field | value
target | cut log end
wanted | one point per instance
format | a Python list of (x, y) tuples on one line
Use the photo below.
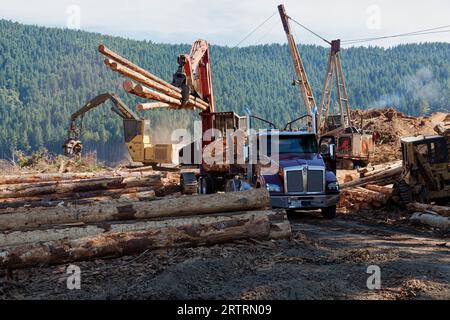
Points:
[(128, 85)]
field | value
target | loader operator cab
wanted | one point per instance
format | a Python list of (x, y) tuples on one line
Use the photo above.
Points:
[(432, 149)]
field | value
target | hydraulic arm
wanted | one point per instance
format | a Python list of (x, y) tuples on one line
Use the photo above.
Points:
[(73, 145)]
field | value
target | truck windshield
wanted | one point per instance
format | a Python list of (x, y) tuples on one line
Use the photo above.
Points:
[(292, 144)]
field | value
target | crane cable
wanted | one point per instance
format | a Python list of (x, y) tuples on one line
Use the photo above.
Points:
[(350, 41), (362, 40), (256, 29), (408, 34), (306, 28)]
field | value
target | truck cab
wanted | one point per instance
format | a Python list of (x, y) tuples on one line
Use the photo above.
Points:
[(305, 178)]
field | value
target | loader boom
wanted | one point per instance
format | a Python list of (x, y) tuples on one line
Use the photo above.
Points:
[(120, 108), (73, 145)]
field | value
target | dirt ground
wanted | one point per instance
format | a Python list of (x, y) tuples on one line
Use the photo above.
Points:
[(324, 260)]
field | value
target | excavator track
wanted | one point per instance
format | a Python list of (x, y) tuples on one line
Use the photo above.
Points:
[(404, 192)]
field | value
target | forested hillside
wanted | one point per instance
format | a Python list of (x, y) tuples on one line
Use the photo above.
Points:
[(46, 74)]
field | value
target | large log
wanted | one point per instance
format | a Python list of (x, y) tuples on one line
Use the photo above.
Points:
[(385, 176), (280, 228), (430, 219), (34, 189), (118, 58), (41, 177), (48, 177), (124, 198), (385, 190), (131, 87), (422, 207), (173, 207), (42, 200), (126, 239), (144, 92), (154, 105), (381, 168)]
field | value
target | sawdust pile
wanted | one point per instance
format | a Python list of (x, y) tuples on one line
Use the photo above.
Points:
[(390, 125)]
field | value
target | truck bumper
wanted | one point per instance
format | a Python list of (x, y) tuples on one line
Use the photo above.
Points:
[(304, 202)]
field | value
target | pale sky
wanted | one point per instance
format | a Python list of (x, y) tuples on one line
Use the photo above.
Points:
[(226, 22)]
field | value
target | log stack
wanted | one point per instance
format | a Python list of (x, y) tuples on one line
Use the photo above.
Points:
[(47, 219), (370, 197)]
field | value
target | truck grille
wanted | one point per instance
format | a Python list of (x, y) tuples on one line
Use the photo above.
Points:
[(294, 181), (299, 181), (315, 181)]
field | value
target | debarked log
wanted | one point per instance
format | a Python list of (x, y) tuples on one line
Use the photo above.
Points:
[(423, 207), (155, 105), (173, 207), (126, 239), (384, 176), (430, 219)]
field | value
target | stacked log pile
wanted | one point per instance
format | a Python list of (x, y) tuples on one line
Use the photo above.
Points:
[(368, 198), (368, 188), (46, 219)]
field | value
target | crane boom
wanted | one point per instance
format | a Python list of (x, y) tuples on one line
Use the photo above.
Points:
[(305, 87)]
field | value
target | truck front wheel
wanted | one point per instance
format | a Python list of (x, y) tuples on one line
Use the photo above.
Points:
[(329, 212)]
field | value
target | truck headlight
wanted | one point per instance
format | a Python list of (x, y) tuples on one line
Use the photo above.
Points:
[(273, 187), (333, 186)]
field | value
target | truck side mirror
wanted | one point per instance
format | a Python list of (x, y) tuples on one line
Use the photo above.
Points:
[(332, 151)]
